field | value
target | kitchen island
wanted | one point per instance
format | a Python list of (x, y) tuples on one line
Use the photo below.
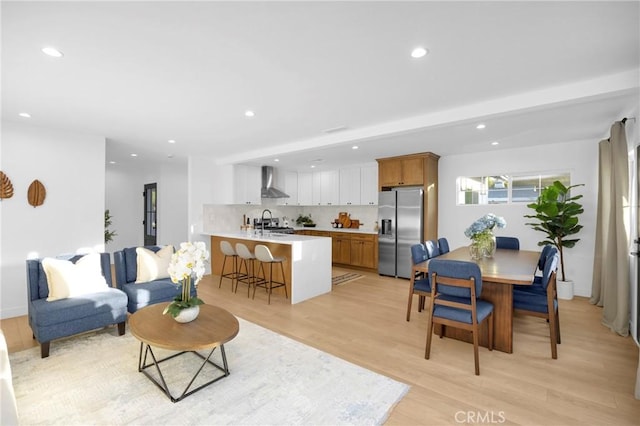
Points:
[(307, 266)]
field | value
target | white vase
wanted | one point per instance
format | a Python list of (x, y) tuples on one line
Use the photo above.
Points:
[(564, 289), (188, 315)]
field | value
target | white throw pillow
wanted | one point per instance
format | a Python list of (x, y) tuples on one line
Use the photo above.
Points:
[(66, 279), (153, 266)]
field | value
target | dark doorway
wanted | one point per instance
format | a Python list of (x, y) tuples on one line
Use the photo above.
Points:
[(150, 214)]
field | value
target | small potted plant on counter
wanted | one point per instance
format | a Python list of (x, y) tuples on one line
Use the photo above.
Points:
[(305, 221)]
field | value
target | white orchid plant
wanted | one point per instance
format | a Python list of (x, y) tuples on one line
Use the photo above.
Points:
[(187, 267)]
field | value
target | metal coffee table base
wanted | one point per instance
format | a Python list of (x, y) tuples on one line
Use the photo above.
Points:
[(162, 384)]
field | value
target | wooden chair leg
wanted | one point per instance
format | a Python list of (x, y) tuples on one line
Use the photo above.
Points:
[(553, 337), (490, 319), (121, 328), (427, 349), (410, 301), (475, 349), (558, 325)]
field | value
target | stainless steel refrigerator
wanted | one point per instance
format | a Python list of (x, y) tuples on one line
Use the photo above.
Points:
[(400, 222)]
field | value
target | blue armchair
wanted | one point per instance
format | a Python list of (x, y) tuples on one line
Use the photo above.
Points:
[(144, 293), (50, 320)]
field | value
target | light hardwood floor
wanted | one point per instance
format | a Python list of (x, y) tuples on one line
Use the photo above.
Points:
[(363, 321)]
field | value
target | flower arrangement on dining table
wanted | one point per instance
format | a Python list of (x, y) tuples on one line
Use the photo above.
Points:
[(483, 242), (187, 267)]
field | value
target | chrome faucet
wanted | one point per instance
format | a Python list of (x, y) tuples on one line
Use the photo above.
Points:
[(262, 220)]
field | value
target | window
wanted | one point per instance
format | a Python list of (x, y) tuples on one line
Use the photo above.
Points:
[(503, 189)]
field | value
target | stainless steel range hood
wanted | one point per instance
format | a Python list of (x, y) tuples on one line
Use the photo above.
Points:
[(268, 191)]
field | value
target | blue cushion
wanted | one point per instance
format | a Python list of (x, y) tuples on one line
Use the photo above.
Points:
[(483, 309), (530, 301), (419, 253), (456, 269), (422, 285), (144, 294), (432, 248), (535, 287), (65, 310)]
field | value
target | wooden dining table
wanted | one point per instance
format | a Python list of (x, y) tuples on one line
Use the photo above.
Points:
[(499, 274)]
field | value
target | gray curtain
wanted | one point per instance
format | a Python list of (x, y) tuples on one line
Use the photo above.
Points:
[(611, 282)]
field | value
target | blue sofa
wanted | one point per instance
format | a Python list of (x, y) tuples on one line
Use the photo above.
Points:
[(66, 317), (142, 294)]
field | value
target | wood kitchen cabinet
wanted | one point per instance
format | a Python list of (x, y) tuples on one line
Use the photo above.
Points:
[(401, 171), (340, 249), (363, 251), (418, 170)]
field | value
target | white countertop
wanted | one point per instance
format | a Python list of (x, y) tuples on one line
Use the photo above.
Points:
[(267, 237)]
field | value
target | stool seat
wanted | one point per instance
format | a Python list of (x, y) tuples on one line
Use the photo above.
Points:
[(263, 255)]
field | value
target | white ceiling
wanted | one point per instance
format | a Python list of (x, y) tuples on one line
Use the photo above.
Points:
[(141, 73)]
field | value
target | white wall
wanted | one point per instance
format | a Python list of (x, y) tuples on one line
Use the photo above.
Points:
[(71, 167), (124, 199), (579, 158)]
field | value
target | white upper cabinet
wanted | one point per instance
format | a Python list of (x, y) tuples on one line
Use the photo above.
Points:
[(305, 189), (326, 188), (289, 184), (247, 183), (350, 181), (369, 185)]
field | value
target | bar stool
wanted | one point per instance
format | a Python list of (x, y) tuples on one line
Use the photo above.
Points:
[(263, 254), (248, 260), (228, 251)]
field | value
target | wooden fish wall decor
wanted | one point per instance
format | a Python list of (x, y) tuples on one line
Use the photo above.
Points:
[(6, 187), (36, 193)]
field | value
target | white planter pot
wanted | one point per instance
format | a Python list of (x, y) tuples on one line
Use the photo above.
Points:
[(188, 315), (565, 289)]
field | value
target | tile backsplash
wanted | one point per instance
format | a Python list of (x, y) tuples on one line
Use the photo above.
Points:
[(228, 218)]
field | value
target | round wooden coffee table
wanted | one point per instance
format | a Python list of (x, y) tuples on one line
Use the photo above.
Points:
[(212, 329)]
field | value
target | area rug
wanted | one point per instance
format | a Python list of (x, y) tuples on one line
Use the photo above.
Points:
[(274, 380), (345, 278)]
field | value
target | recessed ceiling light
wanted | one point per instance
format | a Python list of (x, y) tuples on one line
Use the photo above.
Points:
[(313, 166), (172, 141), (134, 155), (419, 52), (276, 159), (354, 147), (481, 126), (52, 51), (112, 162), (25, 115), (249, 113), (494, 143)]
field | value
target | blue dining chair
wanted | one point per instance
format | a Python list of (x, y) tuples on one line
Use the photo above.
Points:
[(510, 243), (419, 283), (455, 290), (443, 245), (536, 283), (543, 305), (432, 248)]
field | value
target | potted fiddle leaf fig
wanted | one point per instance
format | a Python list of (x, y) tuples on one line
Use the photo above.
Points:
[(556, 212)]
